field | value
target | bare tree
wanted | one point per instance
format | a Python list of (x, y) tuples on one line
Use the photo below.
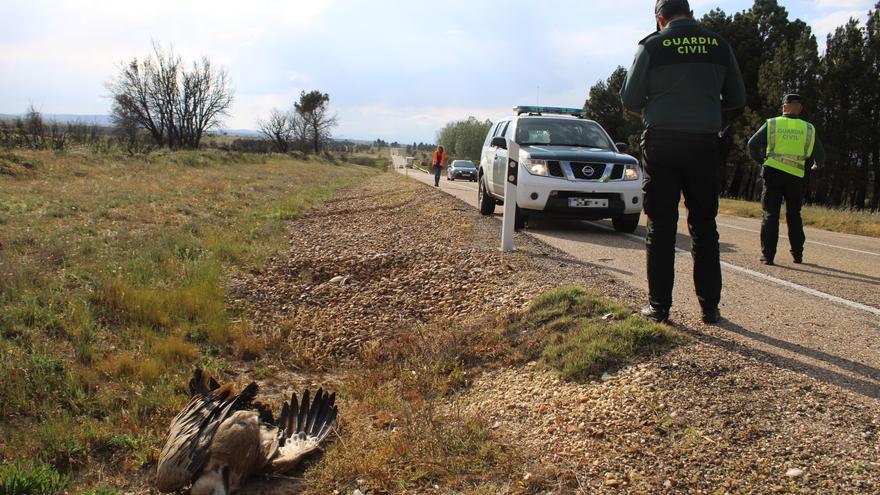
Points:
[(205, 98), (278, 128), (317, 121), (126, 127), (6, 134), (176, 106), (32, 128)]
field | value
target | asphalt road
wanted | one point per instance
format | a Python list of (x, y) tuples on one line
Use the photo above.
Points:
[(821, 318)]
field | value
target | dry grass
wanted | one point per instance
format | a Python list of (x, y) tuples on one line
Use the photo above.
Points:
[(395, 439), (845, 221), (112, 277)]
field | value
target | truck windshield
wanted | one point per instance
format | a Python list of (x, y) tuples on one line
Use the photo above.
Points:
[(561, 132)]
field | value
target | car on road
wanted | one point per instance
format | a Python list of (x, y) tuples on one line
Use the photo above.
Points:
[(462, 169), (568, 168)]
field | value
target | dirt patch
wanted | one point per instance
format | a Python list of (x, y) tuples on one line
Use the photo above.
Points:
[(390, 257)]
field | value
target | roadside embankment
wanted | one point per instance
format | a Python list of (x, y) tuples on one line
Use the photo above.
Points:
[(462, 369)]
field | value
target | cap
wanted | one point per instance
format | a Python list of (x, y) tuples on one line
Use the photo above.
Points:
[(791, 98), (670, 3)]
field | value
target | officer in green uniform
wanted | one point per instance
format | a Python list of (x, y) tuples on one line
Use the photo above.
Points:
[(682, 77), (785, 146)]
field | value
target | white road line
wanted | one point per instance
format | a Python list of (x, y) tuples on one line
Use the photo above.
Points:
[(808, 241), (768, 278)]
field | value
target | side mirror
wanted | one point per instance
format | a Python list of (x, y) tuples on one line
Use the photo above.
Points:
[(622, 147), (499, 142)]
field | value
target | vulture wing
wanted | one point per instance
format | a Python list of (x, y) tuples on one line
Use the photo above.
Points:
[(304, 425), (192, 431)]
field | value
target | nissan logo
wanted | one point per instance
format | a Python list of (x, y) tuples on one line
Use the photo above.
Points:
[(588, 171)]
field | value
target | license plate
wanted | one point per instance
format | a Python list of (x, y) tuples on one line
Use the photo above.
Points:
[(587, 203)]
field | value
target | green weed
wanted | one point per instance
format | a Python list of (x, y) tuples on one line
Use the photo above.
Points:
[(31, 479)]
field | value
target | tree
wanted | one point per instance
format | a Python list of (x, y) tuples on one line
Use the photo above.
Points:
[(278, 128), (32, 128), (316, 119), (464, 138), (872, 52), (604, 106), (174, 105), (845, 120)]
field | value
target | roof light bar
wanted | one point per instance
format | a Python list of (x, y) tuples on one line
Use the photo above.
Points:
[(577, 112)]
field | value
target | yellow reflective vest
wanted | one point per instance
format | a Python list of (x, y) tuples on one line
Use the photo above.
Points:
[(789, 143)]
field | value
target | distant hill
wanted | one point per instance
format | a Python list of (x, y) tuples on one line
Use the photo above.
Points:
[(100, 120), (235, 132)]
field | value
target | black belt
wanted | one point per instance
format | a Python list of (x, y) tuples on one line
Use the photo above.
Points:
[(667, 135)]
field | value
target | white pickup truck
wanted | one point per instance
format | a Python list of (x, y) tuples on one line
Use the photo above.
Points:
[(569, 168)]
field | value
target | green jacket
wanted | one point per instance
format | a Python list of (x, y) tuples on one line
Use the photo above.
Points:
[(682, 78), (758, 146)]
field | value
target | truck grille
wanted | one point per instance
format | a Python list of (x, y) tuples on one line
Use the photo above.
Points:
[(587, 171), (555, 168), (617, 172)]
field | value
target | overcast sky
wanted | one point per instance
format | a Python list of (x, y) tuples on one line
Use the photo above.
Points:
[(396, 70)]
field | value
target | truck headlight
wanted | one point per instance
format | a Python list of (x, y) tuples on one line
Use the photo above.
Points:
[(534, 166), (631, 172), (537, 167)]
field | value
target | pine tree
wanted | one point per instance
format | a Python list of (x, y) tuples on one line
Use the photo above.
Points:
[(604, 106)]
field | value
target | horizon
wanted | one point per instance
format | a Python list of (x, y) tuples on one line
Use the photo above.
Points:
[(391, 74)]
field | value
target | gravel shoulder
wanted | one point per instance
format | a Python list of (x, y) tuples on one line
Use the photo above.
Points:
[(393, 256)]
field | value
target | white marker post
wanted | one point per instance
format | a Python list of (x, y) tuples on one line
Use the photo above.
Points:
[(511, 174)]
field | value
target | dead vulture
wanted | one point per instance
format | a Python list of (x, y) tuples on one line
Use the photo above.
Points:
[(222, 437)]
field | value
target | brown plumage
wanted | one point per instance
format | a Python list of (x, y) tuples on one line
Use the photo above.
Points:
[(222, 437)]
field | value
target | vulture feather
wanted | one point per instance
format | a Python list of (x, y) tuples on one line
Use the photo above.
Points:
[(222, 437)]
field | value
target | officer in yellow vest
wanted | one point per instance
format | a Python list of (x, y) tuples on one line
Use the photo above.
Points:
[(787, 146)]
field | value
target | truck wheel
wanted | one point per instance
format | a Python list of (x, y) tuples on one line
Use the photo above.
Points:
[(626, 223), (487, 203), (519, 219)]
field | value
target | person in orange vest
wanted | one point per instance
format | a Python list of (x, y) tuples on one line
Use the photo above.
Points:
[(437, 164)]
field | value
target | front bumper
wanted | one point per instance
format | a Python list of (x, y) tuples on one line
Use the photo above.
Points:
[(550, 195), (458, 174)]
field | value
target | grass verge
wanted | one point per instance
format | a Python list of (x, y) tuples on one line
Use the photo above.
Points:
[(395, 435), (112, 285), (31, 479), (836, 220)]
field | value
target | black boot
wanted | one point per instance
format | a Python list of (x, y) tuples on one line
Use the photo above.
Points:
[(711, 315), (655, 314), (766, 260)]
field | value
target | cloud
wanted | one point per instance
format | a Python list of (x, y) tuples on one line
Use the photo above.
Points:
[(391, 71), (406, 123), (827, 24), (843, 4), (607, 42)]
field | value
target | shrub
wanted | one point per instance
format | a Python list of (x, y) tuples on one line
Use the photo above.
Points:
[(31, 479)]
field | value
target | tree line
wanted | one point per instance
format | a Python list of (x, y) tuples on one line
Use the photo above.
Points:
[(841, 91), (33, 131)]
